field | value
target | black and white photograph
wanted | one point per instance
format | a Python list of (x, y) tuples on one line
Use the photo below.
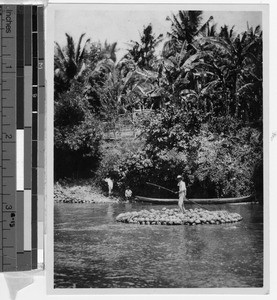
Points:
[(159, 147)]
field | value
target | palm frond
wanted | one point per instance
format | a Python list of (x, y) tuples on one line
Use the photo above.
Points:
[(247, 49), (177, 27), (70, 47), (210, 86), (78, 50), (212, 30), (60, 53), (258, 31), (246, 87), (82, 53), (205, 27), (221, 43)]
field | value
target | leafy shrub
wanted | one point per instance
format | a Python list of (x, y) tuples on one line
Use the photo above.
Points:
[(214, 163), (170, 128), (225, 164), (77, 137)]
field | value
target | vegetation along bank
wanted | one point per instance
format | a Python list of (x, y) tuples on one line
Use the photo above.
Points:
[(195, 109)]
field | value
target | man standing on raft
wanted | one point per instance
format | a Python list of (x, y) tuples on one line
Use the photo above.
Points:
[(182, 193)]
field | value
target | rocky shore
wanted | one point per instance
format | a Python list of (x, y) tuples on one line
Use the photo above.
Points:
[(80, 192)]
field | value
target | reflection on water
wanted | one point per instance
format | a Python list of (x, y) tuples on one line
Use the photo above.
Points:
[(93, 251)]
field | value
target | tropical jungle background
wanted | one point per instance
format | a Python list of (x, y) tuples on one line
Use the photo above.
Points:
[(195, 108)]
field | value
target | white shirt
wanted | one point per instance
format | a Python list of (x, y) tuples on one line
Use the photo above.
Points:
[(128, 193), (182, 186), (109, 182)]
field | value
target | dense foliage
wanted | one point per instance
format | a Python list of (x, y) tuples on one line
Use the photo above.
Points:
[(215, 162), (205, 96), (77, 135)]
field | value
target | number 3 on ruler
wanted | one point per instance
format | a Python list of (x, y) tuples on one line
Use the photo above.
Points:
[(40, 65)]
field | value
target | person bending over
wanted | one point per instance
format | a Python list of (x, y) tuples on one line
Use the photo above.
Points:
[(110, 184)]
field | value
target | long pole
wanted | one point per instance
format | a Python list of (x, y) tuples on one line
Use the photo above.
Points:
[(159, 186)]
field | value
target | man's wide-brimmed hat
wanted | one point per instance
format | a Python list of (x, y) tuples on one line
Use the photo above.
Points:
[(179, 177)]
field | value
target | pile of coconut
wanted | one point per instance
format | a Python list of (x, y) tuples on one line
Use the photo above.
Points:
[(167, 216)]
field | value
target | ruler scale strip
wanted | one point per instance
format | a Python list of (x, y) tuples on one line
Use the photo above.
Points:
[(34, 135), (28, 136), (22, 124), (1, 196), (20, 136), (41, 125), (8, 120)]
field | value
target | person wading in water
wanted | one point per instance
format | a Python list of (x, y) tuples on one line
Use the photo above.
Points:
[(182, 193)]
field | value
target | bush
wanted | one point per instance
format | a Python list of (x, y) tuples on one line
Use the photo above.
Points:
[(213, 163), (170, 128), (225, 164), (135, 169), (77, 137)]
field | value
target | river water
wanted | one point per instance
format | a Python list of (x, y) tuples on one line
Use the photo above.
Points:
[(92, 250)]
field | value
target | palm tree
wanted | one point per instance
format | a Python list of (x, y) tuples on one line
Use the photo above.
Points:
[(109, 83), (108, 51), (175, 75), (143, 52), (69, 62), (237, 67), (186, 26), (182, 55)]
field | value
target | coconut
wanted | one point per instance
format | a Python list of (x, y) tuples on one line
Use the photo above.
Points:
[(173, 216)]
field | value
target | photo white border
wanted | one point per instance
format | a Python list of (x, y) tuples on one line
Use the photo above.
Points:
[(37, 290), (211, 292)]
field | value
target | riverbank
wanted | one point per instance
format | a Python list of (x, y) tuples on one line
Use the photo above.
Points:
[(80, 191)]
